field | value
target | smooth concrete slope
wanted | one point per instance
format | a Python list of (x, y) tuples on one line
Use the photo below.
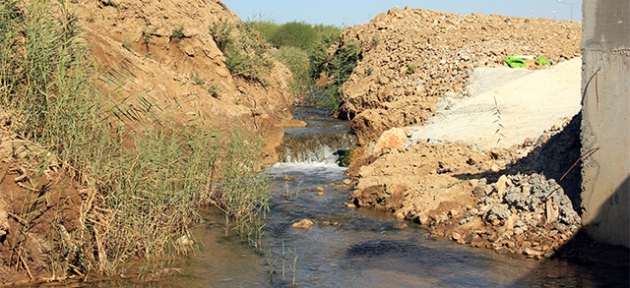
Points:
[(605, 122), (510, 113)]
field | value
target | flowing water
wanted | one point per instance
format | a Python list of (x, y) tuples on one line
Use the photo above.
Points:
[(354, 247)]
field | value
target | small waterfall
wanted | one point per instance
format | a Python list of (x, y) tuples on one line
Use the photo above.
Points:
[(326, 148), (323, 141), (323, 154)]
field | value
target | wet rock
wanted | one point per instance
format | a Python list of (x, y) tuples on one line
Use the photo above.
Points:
[(320, 191), (303, 224), (531, 252), (424, 219), (477, 241)]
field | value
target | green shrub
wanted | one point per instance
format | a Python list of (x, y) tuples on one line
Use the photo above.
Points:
[(146, 37), (338, 67), (213, 90), (177, 33), (296, 34), (245, 52), (297, 61), (197, 79), (266, 28), (411, 68), (327, 31), (221, 33)]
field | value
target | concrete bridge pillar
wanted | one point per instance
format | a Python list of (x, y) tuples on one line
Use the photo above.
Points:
[(606, 120)]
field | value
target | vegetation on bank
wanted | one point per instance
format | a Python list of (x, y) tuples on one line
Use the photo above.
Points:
[(320, 64), (141, 174)]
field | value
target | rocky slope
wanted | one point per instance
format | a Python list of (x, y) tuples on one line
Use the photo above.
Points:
[(412, 58), (522, 197)]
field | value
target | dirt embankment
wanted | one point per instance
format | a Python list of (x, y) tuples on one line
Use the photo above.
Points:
[(185, 75), (412, 58), (451, 174)]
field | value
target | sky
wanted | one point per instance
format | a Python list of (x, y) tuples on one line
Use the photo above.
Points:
[(345, 13)]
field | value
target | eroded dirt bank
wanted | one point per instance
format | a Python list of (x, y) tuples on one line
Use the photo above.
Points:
[(177, 64), (487, 173), (157, 54)]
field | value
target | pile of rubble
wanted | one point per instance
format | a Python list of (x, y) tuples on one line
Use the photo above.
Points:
[(414, 57), (523, 214)]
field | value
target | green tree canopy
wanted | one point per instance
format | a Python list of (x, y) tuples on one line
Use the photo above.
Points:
[(297, 34)]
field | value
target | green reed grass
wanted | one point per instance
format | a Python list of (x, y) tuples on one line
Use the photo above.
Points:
[(143, 175)]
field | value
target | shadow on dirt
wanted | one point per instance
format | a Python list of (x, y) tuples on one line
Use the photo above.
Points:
[(559, 159)]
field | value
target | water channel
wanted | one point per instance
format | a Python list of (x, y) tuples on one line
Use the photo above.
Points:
[(354, 247)]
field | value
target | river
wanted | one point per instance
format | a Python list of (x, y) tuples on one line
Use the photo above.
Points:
[(350, 247)]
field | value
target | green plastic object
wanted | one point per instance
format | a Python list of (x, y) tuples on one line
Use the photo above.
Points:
[(515, 62), (542, 61)]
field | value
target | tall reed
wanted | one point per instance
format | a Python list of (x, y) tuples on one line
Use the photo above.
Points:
[(142, 174)]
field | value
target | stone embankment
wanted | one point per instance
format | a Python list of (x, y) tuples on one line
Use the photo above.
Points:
[(412, 58), (524, 214)]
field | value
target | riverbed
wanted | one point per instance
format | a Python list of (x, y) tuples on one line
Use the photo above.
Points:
[(350, 247)]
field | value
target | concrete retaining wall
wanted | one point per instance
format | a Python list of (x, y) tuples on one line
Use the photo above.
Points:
[(606, 122)]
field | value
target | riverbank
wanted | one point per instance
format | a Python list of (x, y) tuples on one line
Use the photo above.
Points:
[(452, 138)]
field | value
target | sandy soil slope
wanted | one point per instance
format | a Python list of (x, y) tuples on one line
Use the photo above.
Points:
[(510, 113)]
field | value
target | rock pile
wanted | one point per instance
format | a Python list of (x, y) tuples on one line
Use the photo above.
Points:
[(523, 214), (414, 57)]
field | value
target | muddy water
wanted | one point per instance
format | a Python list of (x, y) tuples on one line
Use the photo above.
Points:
[(356, 247)]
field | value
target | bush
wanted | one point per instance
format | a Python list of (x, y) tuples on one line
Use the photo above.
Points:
[(267, 29), (295, 34), (245, 52), (327, 31), (177, 33), (337, 68), (297, 61)]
